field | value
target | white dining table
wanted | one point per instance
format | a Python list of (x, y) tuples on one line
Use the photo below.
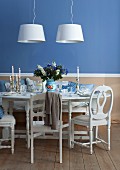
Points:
[(8, 100)]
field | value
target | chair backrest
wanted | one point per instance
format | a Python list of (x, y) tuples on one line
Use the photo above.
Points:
[(101, 102), (47, 106), (37, 104)]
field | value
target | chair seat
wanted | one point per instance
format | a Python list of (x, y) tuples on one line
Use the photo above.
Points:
[(85, 119), (40, 126), (7, 119), (75, 104), (75, 108), (81, 118)]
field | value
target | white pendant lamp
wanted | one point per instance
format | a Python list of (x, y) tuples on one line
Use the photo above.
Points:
[(69, 33), (31, 33)]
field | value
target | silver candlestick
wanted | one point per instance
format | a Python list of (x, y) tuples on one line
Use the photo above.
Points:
[(77, 80), (12, 85), (77, 86), (19, 84)]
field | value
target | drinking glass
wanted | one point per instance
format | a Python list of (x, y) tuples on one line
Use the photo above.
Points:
[(23, 88), (39, 86), (60, 87), (70, 90)]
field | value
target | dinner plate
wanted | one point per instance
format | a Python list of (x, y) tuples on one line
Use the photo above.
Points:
[(84, 95), (9, 93)]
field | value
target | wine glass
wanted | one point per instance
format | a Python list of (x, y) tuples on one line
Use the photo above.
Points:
[(70, 90)]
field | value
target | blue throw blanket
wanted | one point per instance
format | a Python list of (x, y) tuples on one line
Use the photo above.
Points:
[(1, 112)]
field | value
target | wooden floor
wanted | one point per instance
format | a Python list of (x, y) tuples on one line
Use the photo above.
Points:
[(47, 155)]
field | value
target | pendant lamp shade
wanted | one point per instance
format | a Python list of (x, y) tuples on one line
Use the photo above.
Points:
[(31, 33), (69, 33)]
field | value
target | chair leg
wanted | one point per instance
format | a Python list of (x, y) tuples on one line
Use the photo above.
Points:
[(108, 138), (72, 135), (12, 139), (95, 133), (28, 141), (91, 139), (60, 144), (32, 148)]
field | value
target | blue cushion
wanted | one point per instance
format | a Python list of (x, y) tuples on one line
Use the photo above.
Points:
[(2, 86), (23, 81), (31, 85), (7, 86), (86, 87), (1, 112)]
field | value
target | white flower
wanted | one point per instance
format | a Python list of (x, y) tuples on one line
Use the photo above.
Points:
[(39, 67), (54, 64), (42, 70), (57, 71)]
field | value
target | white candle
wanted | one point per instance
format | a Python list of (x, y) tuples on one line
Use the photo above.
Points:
[(19, 73), (16, 78), (10, 78), (78, 73), (12, 71), (77, 78)]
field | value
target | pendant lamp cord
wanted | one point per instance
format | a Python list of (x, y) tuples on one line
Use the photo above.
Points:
[(34, 13), (72, 11)]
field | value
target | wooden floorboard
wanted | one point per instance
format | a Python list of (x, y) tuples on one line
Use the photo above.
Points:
[(114, 153), (76, 160), (90, 161), (47, 155)]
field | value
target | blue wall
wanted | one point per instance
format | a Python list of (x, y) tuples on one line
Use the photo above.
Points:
[(100, 20)]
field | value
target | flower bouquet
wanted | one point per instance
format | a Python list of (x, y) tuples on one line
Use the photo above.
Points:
[(51, 71)]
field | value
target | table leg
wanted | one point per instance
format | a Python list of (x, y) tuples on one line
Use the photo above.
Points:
[(70, 114), (27, 107), (5, 105), (11, 104)]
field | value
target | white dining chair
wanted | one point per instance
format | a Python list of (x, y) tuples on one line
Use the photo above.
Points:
[(100, 107), (49, 123), (8, 121)]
